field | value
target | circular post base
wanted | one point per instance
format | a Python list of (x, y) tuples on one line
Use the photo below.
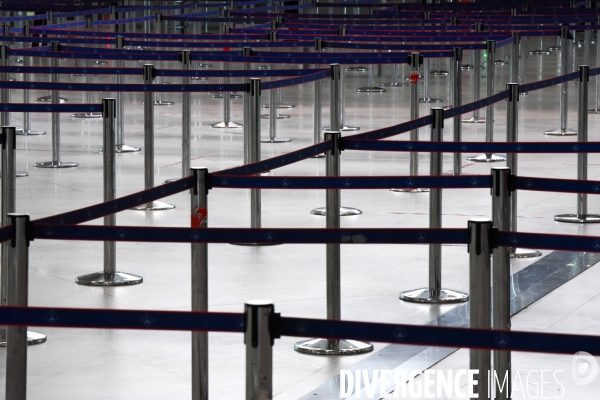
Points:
[(500, 62), (18, 174), (430, 100), (333, 347), (86, 115), (30, 132), (32, 338), (539, 52), (356, 69), (199, 78), (229, 124), (220, 96), (578, 43), (487, 158), (394, 84), (280, 105), (77, 74), (123, 148), (163, 103), (275, 140), (17, 61), (411, 190), (264, 67), (439, 72), (474, 120), (594, 111), (574, 218), (344, 211), (48, 99), (203, 65), (425, 295), (561, 132), (552, 48), (154, 206), (102, 279), (370, 90), (525, 253), (467, 66), (319, 156), (99, 62), (345, 128), (278, 116), (55, 164)]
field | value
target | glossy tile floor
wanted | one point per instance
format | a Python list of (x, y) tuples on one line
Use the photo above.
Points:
[(107, 364)]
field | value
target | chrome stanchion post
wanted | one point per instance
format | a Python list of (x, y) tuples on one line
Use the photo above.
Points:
[(160, 28), (540, 50), (514, 57), (261, 330), (331, 346), (415, 62), (109, 276), (120, 146), (4, 93), (476, 119), (277, 94), (426, 79), (481, 298), (489, 111), (26, 93), (334, 120), (273, 121), (596, 109), (317, 104), (456, 73), (501, 192), (8, 206), (199, 220), (587, 38), (88, 79), (186, 116), (522, 62), (435, 293), (582, 215), (226, 123), (17, 296), (371, 88), (149, 75), (512, 118), (565, 55), (343, 126), (56, 162)]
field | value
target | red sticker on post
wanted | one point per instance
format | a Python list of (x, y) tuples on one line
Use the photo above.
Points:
[(414, 77), (198, 216)]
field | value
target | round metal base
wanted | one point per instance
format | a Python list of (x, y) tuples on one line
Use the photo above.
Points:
[(474, 120), (429, 100), (561, 132), (163, 103), (594, 111), (319, 156), (467, 66), (280, 105), (425, 295), (344, 211), (574, 218), (370, 90), (32, 338), (394, 84), (278, 116), (412, 190), (100, 62), (439, 72), (229, 124), (220, 96), (500, 62), (102, 279), (18, 174), (154, 206), (333, 347), (539, 52), (48, 99), (29, 132), (199, 78), (345, 128), (552, 48), (487, 158), (356, 69), (525, 253), (86, 115), (17, 61), (275, 140), (56, 164), (264, 67), (202, 65)]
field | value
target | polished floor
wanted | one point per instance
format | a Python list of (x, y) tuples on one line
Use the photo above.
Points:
[(111, 364)]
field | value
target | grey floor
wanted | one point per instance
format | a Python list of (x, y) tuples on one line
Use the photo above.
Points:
[(107, 364)]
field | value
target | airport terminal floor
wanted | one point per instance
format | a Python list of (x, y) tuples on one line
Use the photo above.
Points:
[(555, 292)]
